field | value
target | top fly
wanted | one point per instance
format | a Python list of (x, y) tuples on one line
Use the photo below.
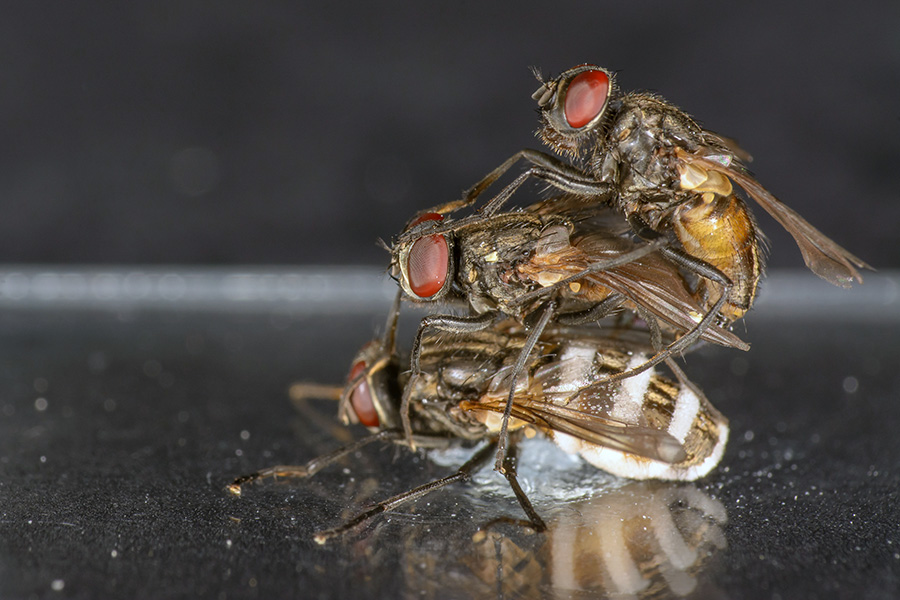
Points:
[(670, 179)]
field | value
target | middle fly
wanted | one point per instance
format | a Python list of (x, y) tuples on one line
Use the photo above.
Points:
[(556, 261)]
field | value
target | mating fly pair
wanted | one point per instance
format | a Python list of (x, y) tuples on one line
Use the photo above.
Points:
[(647, 427), (674, 184), (554, 262)]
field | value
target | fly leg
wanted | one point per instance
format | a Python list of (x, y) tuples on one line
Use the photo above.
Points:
[(611, 303), (300, 393), (534, 519), (682, 378), (656, 342), (653, 325), (569, 180), (447, 323), (463, 474), (544, 167), (593, 314), (560, 176), (313, 466), (703, 269), (537, 158), (530, 341)]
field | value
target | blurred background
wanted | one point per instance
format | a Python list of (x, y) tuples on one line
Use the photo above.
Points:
[(233, 133)]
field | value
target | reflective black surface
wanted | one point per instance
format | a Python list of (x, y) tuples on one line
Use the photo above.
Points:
[(121, 424)]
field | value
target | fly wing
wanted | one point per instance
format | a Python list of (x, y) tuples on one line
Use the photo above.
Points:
[(821, 254), (657, 285), (730, 144), (587, 215), (601, 235), (595, 427)]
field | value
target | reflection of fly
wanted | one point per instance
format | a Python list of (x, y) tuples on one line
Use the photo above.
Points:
[(670, 178), (646, 427), (641, 541), (511, 263), (647, 539)]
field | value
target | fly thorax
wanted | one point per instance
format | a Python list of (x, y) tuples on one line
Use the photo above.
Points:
[(641, 148), (425, 385), (477, 284), (460, 379), (487, 265)]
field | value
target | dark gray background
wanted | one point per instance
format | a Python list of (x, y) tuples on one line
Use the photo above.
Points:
[(240, 132)]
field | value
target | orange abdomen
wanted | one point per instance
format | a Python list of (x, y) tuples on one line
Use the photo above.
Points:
[(720, 231)]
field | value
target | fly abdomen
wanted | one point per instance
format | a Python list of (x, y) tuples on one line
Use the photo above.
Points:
[(651, 401), (720, 231)]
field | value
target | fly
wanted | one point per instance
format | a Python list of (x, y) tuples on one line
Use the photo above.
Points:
[(554, 262), (648, 427), (670, 179)]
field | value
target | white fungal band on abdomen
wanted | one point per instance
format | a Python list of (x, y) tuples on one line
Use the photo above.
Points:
[(645, 398), (629, 399)]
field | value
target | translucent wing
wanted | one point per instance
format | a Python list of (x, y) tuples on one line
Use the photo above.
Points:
[(656, 284), (821, 254), (595, 427), (651, 282)]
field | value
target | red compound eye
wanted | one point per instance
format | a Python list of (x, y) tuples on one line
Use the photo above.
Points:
[(586, 97), (428, 261), (361, 397), (425, 217)]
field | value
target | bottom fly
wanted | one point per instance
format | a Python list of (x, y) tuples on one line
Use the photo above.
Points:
[(644, 427)]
